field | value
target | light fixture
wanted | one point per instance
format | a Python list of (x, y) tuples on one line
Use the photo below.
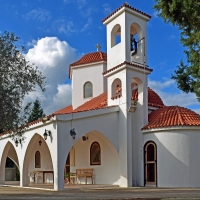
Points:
[(45, 119), (133, 106), (46, 134), (73, 133), (84, 138), (17, 142)]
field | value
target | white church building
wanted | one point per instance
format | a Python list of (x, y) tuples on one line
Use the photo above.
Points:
[(116, 126)]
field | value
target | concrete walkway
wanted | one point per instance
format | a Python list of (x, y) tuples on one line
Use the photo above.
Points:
[(100, 192)]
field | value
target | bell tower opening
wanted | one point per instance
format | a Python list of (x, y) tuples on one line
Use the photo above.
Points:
[(137, 44), (115, 35)]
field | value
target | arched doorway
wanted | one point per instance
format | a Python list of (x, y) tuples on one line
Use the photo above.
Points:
[(38, 165), (150, 160), (9, 152)]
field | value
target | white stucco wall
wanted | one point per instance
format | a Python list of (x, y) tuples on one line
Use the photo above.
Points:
[(121, 52), (80, 75), (105, 173), (178, 160), (25, 151)]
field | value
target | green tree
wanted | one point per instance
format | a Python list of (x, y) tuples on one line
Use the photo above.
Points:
[(37, 111), (186, 15), (18, 77)]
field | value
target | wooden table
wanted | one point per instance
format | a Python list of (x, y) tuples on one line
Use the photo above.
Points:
[(43, 173)]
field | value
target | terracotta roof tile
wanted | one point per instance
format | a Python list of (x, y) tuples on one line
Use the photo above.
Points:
[(101, 102), (125, 5), (93, 104), (129, 63), (89, 58), (170, 116), (153, 99)]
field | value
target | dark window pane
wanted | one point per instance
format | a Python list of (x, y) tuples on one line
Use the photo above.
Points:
[(151, 172), (150, 152)]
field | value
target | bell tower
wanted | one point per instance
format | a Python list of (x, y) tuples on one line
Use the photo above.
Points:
[(126, 36), (127, 72)]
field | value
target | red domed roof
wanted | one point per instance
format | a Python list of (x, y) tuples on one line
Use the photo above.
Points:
[(170, 116), (153, 99)]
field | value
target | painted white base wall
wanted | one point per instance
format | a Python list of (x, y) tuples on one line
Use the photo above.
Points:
[(178, 158)]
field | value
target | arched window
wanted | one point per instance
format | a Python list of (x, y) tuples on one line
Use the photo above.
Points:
[(87, 90), (150, 163), (116, 35), (95, 154), (37, 159)]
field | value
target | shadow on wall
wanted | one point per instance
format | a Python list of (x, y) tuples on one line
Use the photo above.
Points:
[(178, 162)]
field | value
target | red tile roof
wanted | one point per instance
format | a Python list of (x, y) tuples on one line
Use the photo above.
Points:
[(129, 63), (93, 104), (101, 102), (125, 5), (89, 58), (171, 116), (153, 98)]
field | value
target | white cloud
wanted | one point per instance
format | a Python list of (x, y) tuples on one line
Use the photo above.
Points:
[(172, 97), (106, 9), (160, 85), (53, 58), (63, 97), (64, 26), (38, 14), (86, 26)]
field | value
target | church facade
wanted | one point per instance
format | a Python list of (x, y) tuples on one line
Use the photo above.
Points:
[(116, 125)]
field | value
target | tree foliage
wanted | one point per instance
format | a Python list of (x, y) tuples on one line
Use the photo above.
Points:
[(36, 112), (18, 77), (186, 15)]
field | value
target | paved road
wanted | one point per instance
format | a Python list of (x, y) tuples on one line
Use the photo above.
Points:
[(101, 193)]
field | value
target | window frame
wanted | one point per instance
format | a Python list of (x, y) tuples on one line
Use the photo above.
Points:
[(91, 153), (84, 90)]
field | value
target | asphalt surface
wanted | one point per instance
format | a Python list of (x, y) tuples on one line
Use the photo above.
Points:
[(101, 193)]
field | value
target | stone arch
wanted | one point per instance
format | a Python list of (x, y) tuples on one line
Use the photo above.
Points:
[(29, 158), (8, 149), (115, 35), (116, 88)]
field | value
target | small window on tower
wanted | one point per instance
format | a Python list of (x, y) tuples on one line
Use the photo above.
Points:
[(87, 90)]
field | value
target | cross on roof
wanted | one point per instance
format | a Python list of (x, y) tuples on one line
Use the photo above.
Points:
[(98, 47)]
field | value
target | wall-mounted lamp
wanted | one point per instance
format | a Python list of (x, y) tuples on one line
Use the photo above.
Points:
[(17, 142), (73, 133), (133, 106), (46, 133), (84, 138), (45, 119)]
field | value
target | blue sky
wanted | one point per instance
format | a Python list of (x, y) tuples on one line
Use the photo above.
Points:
[(57, 32)]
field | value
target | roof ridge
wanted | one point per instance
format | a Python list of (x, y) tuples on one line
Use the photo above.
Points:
[(127, 6)]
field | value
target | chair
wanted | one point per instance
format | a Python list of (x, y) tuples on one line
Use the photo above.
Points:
[(38, 177), (73, 178), (31, 177)]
